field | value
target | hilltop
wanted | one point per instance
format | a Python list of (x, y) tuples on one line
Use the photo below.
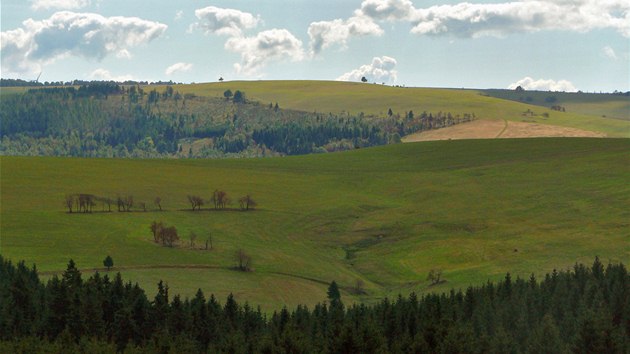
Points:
[(273, 118)]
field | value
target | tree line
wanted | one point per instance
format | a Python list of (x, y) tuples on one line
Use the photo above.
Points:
[(107, 119), (585, 309), (86, 203)]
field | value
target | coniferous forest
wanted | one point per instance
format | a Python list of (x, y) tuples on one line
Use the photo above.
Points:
[(108, 119), (585, 309)]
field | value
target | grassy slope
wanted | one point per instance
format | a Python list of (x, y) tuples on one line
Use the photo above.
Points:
[(338, 97), (601, 105), (385, 215)]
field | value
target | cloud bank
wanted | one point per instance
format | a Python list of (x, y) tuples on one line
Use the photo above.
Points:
[(382, 69), (473, 20), (501, 19), (65, 33), (543, 85)]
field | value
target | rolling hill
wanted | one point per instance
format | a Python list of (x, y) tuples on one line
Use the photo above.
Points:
[(584, 111), (381, 216)]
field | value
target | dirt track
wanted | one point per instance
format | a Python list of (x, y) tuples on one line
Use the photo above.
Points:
[(491, 129)]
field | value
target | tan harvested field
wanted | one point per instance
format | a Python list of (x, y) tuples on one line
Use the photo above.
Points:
[(492, 129)]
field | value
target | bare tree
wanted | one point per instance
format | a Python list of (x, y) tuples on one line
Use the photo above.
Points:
[(169, 236), (435, 276), (195, 202), (69, 202), (158, 202), (209, 241), (359, 287), (220, 199), (156, 229), (243, 260), (193, 237), (247, 202), (108, 202), (143, 206), (86, 202), (128, 202)]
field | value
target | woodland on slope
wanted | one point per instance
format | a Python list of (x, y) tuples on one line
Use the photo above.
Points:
[(105, 119)]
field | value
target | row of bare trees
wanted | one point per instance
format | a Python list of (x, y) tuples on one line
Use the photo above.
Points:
[(85, 203), (221, 200)]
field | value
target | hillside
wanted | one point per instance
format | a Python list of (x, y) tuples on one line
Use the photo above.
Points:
[(382, 216), (106, 119), (584, 111)]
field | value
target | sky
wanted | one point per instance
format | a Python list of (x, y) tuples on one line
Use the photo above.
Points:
[(559, 45)]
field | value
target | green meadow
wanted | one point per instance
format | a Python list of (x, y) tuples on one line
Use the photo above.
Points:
[(383, 217), (608, 114)]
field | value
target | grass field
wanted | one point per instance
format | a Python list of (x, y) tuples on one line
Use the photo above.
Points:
[(339, 97), (475, 209), (601, 105)]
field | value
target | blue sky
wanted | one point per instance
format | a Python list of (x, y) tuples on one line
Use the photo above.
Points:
[(563, 45)]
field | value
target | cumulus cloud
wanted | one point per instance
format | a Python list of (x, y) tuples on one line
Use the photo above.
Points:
[(231, 22), (179, 15), (66, 33), (59, 4), (178, 67), (609, 53), (257, 51), (390, 10), (102, 74), (323, 34), (500, 19), (543, 85), (382, 69)]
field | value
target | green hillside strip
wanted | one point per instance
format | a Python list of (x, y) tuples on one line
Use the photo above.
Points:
[(386, 216), (614, 106), (339, 97)]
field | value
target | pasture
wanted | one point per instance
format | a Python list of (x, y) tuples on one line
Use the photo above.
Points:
[(383, 217)]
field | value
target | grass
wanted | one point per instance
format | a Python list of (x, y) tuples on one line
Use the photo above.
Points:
[(386, 216), (599, 105), (584, 110)]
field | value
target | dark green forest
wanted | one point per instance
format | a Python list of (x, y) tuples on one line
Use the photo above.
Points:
[(585, 309), (108, 119)]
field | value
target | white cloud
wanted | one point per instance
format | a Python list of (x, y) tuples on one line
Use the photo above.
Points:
[(66, 33), (231, 22), (178, 67), (102, 74), (123, 54), (610, 53), (380, 70), (257, 51), (58, 4), (387, 9), (178, 15), (500, 19), (326, 33), (544, 85)]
